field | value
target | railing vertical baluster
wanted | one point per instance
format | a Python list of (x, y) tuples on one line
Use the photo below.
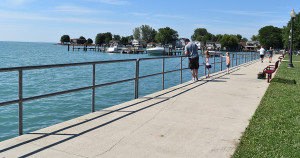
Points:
[(163, 74), (180, 70), (137, 70), (20, 102), (94, 91)]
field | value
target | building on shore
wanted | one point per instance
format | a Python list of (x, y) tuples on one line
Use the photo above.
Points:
[(114, 42), (252, 45), (78, 41), (213, 45), (139, 43), (199, 44), (151, 44)]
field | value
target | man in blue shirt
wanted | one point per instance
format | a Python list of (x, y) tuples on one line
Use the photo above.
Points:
[(191, 51)]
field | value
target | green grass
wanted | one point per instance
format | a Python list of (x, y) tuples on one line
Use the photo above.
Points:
[(274, 130)]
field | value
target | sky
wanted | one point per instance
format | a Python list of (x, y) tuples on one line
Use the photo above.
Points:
[(48, 20)]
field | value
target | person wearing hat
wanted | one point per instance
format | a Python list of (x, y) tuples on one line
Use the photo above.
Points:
[(262, 54), (191, 51)]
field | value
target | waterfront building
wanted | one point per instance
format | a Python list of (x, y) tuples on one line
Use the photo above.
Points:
[(252, 45), (139, 42)]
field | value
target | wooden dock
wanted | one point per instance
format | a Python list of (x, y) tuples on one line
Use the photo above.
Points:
[(130, 49)]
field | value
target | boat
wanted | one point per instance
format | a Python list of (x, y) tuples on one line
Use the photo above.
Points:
[(213, 53), (158, 50), (114, 49)]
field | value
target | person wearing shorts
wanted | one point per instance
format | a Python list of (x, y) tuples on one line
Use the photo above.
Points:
[(270, 54), (262, 54), (191, 50)]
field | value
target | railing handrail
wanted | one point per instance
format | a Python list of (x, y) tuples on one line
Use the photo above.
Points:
[(75, 64), (94, 85)]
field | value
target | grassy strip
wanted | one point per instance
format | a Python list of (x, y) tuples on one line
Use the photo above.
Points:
[(274, 130)]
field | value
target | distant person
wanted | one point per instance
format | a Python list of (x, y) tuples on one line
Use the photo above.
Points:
[(207, 63), (191, 51), (227, 61), (262, 54), (270, 54)]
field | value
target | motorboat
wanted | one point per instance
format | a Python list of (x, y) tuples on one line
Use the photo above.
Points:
[(213, 53), (158, 50), (114, 49)]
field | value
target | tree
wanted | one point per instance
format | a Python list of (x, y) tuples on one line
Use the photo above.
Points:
[(166, 35), (117, 37), (218, 37), (65, 39), (102, 38), (148, 33), (254, 38), (90, 41), (125, 40), (199, 32), (229, 41), (244, 39), (296, 35), (137, 33), (270, 36), (82, 40), (239, 37)]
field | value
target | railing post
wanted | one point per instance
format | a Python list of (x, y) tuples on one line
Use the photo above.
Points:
[(221, 63), (214, 62), (94, 91), (163, 74), (137, 70), (240, 58), (236, 59), (181, 70), (20, 102)]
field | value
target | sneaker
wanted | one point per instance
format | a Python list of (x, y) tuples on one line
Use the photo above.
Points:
[(196, 78)]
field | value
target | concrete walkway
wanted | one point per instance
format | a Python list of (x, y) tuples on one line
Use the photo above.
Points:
[(194, 119)]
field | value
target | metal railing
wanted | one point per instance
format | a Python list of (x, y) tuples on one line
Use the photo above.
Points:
[(136, 79)]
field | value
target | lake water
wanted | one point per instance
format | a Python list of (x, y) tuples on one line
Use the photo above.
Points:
[(41, 113)]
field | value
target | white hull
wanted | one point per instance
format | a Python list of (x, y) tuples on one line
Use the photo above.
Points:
[(156, 51), (114, 49)]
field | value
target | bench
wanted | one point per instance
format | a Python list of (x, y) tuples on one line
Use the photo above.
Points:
[(281, 57), (271, 69)]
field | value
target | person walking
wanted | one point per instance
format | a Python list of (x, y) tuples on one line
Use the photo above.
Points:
[(191, 51), (270, 54), (262, 54), (207, 63)]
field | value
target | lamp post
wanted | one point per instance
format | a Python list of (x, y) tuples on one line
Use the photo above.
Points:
[(293, 15)]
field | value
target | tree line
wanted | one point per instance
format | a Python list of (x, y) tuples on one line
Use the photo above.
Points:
[(268, 36)]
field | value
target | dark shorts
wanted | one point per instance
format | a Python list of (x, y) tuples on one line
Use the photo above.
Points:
[(271, 55), (194, 63), (261, 56), (208, 66), (228, 66)]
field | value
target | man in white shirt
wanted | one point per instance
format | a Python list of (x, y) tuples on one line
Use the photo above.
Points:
[(262, 54)]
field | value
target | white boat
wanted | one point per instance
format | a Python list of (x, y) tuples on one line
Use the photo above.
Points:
[(213, 53), (158, 50), (114, 49)]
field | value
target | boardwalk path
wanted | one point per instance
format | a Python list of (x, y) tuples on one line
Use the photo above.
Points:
[(202, 119)]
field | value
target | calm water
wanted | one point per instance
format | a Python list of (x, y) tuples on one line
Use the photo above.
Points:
[(41, 113)]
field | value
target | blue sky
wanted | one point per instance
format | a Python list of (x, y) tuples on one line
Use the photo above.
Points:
[(48, 20)]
